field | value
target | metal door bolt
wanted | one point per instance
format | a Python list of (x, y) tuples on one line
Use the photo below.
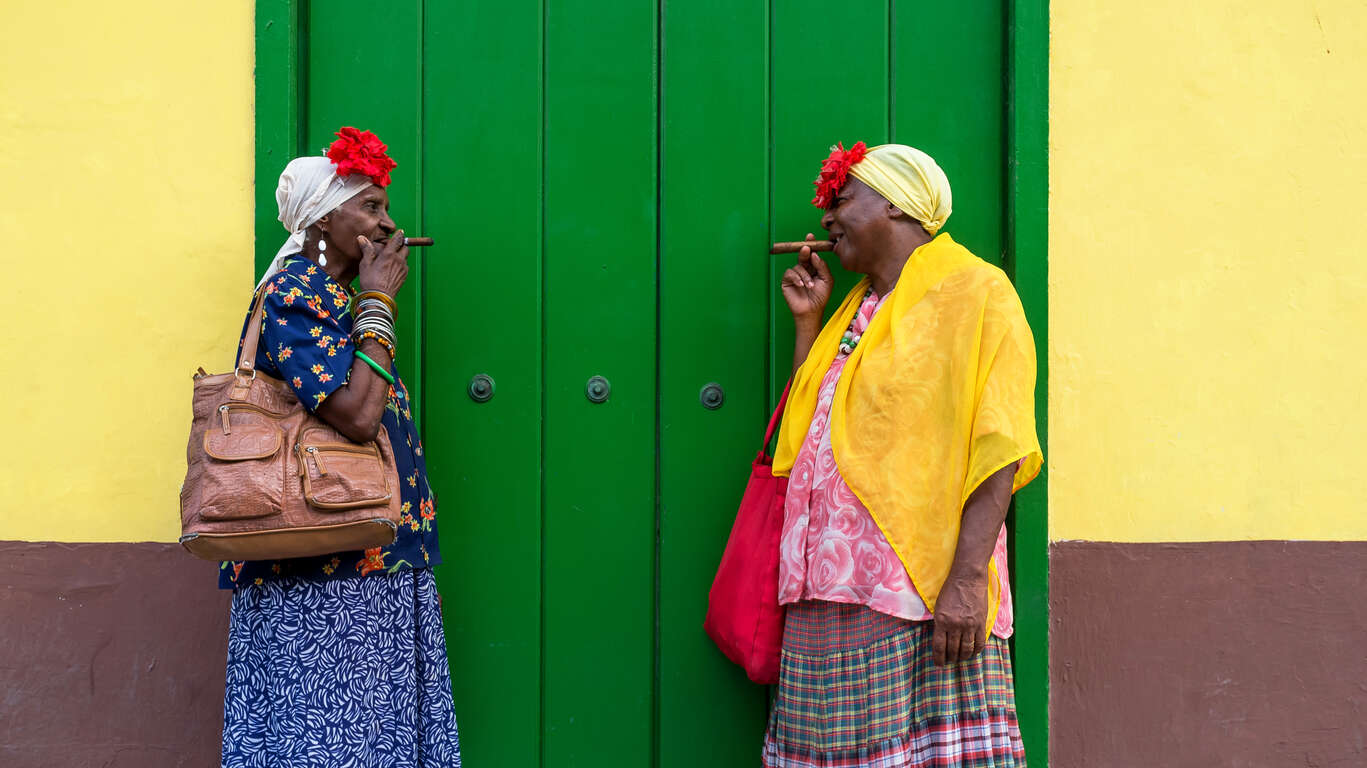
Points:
[(712, 396), (481, 388), (598, 390)]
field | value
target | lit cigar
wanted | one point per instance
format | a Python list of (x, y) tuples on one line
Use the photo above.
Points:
[(413, 242), (794, 247)]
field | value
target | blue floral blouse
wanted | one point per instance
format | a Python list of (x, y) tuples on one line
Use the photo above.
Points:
[(306, 341)]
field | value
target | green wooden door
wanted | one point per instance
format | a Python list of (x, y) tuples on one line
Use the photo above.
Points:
[(603, 178)]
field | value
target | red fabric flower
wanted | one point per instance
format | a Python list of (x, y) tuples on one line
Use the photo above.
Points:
[(361, 152), (834, 172)]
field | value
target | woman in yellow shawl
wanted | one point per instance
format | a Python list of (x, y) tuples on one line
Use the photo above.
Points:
[(909, 425)]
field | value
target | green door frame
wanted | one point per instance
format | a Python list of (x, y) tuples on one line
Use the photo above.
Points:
[(280, 72), (1027, 237)]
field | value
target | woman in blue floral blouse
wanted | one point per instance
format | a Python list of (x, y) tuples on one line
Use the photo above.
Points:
[(341, 659)]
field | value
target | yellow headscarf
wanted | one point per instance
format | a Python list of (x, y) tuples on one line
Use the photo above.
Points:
[(911, 180), (938, 395)]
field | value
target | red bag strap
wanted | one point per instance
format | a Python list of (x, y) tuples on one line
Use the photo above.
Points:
[(778, 416)]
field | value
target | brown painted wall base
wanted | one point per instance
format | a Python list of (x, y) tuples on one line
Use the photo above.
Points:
[(111, 655), (1212, 654)]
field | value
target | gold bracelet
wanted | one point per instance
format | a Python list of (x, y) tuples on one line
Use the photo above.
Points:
[(381, 295)]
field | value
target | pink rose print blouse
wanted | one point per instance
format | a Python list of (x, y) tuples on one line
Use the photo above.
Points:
[(831, 548)]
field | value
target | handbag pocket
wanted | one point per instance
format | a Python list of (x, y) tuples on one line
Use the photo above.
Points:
[(245, 482), (340, 476)]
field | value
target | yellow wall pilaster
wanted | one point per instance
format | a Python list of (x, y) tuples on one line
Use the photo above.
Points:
[(126, 208), (1208, 273)]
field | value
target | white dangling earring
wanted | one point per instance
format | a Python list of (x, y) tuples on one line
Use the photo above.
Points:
[(322, 257)]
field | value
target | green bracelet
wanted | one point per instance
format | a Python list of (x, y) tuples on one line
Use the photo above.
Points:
[(386, 375)]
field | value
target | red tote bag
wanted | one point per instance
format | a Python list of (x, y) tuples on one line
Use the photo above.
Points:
[(744, 618)]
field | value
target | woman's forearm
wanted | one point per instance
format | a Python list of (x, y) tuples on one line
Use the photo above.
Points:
[(805, 336), (983, 515), (357, 408)]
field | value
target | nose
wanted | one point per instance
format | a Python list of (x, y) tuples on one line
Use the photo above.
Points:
[(386, 223), (827, 219)]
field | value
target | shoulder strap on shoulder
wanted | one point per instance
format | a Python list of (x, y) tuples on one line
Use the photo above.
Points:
[(247, 362)]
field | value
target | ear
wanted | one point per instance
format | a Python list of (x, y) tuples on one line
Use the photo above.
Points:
[(893, 212)]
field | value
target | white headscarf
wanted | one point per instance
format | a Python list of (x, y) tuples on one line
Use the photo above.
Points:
[(309, 189)]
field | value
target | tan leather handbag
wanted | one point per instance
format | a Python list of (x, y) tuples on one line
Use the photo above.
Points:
[(266, 479)]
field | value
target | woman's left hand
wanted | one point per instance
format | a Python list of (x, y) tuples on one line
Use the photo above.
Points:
[(960, 619)]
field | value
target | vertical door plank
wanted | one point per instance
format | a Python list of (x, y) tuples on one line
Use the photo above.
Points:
[(949, 96), (599, 303), (375, 86), (713, 328), (826, 88), (482, 203), (278, 49)]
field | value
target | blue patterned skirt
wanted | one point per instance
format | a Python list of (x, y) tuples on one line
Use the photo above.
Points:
[(348, 673)]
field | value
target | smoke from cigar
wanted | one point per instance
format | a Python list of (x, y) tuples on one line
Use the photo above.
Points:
[(795, 246)]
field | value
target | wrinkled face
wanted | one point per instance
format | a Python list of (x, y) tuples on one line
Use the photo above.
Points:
[(366, 213), (859, 221)]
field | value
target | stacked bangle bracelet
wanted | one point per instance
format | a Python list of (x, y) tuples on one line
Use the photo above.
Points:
[(374, 312), (381, 296), (388, 344)]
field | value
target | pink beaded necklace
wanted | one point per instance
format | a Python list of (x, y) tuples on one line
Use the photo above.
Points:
[(862, 317)]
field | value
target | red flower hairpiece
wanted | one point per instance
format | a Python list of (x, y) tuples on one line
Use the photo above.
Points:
[(361, 152), (834, 171)]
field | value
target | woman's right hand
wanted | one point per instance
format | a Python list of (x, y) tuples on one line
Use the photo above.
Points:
[(383, 268), (807, 285)]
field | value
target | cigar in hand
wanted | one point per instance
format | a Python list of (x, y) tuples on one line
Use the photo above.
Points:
[(414, 242), (795, 246)]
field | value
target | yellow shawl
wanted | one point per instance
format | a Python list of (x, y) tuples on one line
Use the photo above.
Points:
[(939, 394)]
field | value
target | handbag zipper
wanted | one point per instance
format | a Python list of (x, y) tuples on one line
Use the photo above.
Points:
[(316, 451), (224, 410), (317, 459)]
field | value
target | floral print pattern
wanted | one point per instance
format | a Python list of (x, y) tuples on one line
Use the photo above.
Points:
[(831, 548), (306, 341)]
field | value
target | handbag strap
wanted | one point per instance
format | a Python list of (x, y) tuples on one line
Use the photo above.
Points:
[(246, 362), (778, 416)]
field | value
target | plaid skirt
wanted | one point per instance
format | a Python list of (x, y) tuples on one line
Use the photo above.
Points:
[(858, 688)]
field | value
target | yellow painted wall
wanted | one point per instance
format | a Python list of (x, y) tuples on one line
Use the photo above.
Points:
[(127, 157), (1208, 303), (1208, 273)]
